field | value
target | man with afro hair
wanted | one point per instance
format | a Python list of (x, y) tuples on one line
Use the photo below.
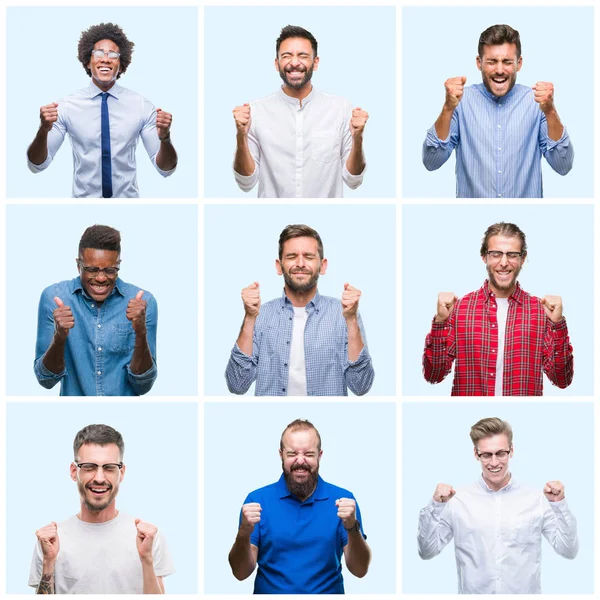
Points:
[(105, 122)]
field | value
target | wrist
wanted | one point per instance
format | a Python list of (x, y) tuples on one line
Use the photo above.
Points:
[(242, 137), (245, 531), (147, 561), (439, 319), (352, 528), (166, 139), (60, 337), (48, 566)]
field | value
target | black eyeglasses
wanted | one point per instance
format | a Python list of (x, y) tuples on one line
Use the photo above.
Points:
[(93, 467), (497, 255), (500, 455), (108, 271)]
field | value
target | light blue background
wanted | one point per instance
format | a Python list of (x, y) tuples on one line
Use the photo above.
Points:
[(441, 42), (440, 253), (551, 441), (160, 485), (241, 246), (359, 450), (357, 48), (159, 250), (42, 66)]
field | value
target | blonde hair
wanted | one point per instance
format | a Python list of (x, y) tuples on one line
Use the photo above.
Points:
[(488, 427)]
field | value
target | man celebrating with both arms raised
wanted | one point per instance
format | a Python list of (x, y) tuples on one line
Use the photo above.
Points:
[(501, 338), (298, 142)]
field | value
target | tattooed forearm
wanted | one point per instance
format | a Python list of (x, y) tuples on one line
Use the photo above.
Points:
[(46, 585)]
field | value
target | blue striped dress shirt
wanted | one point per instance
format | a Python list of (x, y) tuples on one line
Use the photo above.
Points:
[(328, 370), (499, 144)]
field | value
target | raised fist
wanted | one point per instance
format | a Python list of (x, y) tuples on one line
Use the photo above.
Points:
[(48, 116), (48, 537), (146, 532), (358, 121), (243, 119), (454, 90), (443, 492), (136, 313), (543, 94), (250, 516), (63, 319), (445, 304), (251, 299)]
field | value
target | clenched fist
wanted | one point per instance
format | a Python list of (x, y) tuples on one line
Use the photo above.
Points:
[(48, 116), (554, 491), (445, 304), (243, 119), (346, 511), (251, 299), (250, 516), (48, 537), (146, 532), (454, 91), (63, 319), (163, 123), (543, 94), (350, 299), (552, 307), (136, 313), (443, 492), (358, 121)]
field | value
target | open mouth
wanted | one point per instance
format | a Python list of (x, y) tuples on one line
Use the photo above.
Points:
[(496, 470), (105, 70), (99, 290), (99, 491)]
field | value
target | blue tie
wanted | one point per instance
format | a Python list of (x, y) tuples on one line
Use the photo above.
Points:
[(106, 166)]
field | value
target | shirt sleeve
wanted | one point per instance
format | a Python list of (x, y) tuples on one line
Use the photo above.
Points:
[(35, 571), (558, 153), (359, 374), (559, 527), (142, 382), (45, 334), (241, 368), (435, 528), (436, 151), (440, 350), (56, 137), (149, 136), (247, 182), (558, 354), (161, 557), (352, 181)]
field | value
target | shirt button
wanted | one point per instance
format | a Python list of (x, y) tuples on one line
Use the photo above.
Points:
[(493, 350), (499, 148), (499, 126), (283, 389), (499, 172), (491, 374), (99, 348), (290, 318), (285, 364), (499, 195), (99, 372), (287, 342), (99, 325), (92, 305), (493, 325)]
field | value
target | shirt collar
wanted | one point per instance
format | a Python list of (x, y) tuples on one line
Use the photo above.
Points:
[(94, 90), (517, 295), (295, 101), (312, 305), (511, 485), (496, 99), (320, 492), (77, 286)]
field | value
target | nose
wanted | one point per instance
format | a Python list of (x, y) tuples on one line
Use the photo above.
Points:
[(300, 460), (294, 61), (504, 260), (99, 477), (101, 276), (300, 261), (494, 461)]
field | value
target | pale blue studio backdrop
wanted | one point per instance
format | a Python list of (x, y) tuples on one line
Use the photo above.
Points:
[(440, 253), (159, 253), (160, 484), (359, 450), (241, 246), (552, 441), (441, 42), (357, 49), (42, 66)]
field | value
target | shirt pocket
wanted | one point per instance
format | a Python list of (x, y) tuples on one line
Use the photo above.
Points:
[(122, 339), (325, 146)]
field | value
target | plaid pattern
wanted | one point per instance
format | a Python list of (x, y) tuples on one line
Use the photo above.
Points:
[(328, 371), (533, 343)]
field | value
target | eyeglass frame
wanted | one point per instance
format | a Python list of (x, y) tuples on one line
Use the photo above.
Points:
[(492, 454), (119, 466), (517, 256), (98, 269), (104, 53)]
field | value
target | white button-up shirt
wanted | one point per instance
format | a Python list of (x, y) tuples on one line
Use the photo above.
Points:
[(130, 117), (497, 536), (300, 150)]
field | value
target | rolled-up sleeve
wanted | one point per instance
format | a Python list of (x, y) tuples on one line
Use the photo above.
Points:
[(56, 137), (559, 153), (45, 334), (436, 151), (142, 382), (247, 182), (241, 370), (150, 139), (359, 374)]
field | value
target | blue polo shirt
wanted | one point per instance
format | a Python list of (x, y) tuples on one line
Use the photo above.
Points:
[(300, 544)]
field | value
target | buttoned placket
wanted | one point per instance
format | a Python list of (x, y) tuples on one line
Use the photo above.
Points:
[(288, 330), (492, 306), (98, 312), (498, 546), (500, 154), (310, 309), (299, 149)]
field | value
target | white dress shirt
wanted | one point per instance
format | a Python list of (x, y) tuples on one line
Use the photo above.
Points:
[(130, 117), (497, 536), (300, 150)]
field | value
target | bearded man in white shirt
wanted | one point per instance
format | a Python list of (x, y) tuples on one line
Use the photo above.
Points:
[(299, 142), (497, 524)]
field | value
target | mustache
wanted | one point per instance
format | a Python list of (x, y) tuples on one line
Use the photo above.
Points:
[(300, 69), (301, 468)]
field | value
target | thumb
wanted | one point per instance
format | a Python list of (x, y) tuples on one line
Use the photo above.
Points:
[(256, 285), (463, 79), (139, 295), (346, 286), (159, 110), (55, 525), (55, 103), (246, 104), (59, 302), (137, 521)]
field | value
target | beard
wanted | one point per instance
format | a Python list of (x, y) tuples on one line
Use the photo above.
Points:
[(497, 284), (301, 489), (112, 493), (512, 79), (298, 83), (301, 287)]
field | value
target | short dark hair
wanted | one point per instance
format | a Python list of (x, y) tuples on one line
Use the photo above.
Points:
[(104, 31), (101, 435), (293, 31), (294, 231), (100, 237), (496, 35), (505, 229), (300, 425)]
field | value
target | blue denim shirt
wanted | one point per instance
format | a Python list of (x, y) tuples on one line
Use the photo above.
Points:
[(328, 370), (100, 346)]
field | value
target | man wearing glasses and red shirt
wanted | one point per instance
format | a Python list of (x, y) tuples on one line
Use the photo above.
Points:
[(497, 523), (501, 337), (96, 333), (100, 550)]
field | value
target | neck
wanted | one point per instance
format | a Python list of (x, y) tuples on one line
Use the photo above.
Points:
[(104, 85), (89, 516), (299, 94), (498, 486), (300, 299), (502, 293)]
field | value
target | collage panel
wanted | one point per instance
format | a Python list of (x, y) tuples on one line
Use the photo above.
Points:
[(134, 467), (489, 480), (300, 142), (351, 238), (76, 332), (299, 545), (147, 100), (498, 112), (548, 346)]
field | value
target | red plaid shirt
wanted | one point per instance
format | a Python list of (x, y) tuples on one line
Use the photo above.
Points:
[(532, 344)]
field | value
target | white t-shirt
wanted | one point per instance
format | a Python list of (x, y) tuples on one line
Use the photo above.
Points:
[(100, 558), (501, 315), (297, 378)]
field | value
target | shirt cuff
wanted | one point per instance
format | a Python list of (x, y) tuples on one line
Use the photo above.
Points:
[(560, 329), (433, 140), (37, 168), (436, 508), (439, 329), (551, 144), (43, 373), (363, 356), (241, 357), (147, 377), (246, 182), (353, 181)]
